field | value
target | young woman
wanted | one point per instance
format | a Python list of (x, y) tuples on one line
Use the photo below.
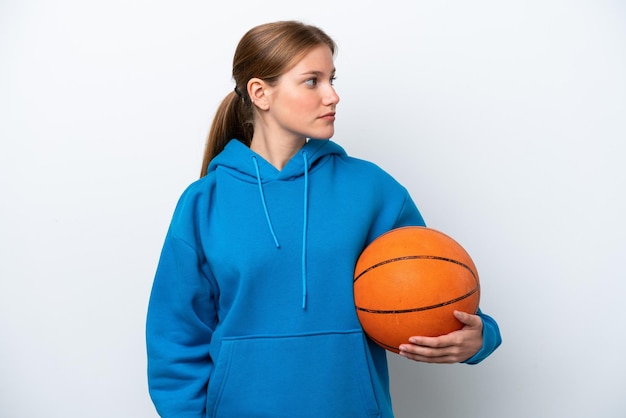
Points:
[(252, 312)]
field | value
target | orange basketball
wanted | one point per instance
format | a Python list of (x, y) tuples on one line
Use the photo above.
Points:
[(409, 281)]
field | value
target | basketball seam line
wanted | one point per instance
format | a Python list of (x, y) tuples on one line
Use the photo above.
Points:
[(423, 308), (414, 257), (382, 344)]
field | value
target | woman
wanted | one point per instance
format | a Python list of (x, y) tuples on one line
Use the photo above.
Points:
[(251, 312)]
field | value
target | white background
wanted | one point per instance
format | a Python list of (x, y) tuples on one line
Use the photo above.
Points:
[(505, 120)]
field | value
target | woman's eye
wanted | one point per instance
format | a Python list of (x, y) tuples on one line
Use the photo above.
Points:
[(312, 82), (332, 81)]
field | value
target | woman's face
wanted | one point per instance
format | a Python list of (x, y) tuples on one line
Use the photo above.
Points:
[(302, 103)]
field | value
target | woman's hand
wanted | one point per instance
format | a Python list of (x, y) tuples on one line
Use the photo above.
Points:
[(454, 347)]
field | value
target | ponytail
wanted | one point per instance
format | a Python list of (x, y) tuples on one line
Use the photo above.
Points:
[(233, 120)]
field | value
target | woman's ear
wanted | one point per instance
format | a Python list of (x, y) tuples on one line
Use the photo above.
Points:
[(257, 93)]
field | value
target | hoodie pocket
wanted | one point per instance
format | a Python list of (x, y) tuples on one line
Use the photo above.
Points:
[(313, 375)]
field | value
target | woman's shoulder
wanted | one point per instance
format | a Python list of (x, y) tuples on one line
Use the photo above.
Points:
[(368, 170), (201, 185), (196, 193)]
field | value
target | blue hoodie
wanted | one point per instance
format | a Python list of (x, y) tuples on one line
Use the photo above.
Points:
[(251, 312)]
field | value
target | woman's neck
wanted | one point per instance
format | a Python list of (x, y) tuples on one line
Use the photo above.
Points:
[(277, 153)]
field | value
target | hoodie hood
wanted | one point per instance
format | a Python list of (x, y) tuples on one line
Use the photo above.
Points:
[(237, 158), (243, 163)]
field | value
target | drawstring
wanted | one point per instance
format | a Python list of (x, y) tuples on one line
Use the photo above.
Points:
[(304, 223), (267, 215), (304, 228)]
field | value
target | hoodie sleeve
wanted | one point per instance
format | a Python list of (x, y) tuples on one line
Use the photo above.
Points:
[(409, 214), (180, 322)]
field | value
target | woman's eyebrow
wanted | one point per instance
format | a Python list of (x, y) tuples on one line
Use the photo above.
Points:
[(318, 72)]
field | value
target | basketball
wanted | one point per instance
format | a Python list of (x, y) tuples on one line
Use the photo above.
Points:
[(409, 281)]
